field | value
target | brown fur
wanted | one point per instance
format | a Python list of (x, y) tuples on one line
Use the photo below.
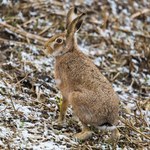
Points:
[(82, 85)]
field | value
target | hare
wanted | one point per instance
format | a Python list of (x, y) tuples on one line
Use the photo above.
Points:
[(82, 85)]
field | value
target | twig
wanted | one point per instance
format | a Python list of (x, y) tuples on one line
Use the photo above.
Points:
[(44, 30), (39, 3), (136, 33), (13, 105), (137, 14), (40, 39), (22, 79), (37, 101), (133, 128), (114, 78), (32, 20), (114, 40), (141, 115), (18, 43), (9, 95), (9, 76), (3, 109)]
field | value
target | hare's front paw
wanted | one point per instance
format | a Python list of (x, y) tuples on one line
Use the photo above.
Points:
[(84, 135), (115, 136), (59, 123)]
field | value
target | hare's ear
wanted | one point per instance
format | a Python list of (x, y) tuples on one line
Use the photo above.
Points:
[(71, 15), (75, 25)]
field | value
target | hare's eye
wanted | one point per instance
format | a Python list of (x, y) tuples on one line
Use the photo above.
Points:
[(59, 40)]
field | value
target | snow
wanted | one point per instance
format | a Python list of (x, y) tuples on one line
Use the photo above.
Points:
[(48, 145), (113, 6), (5, 132), (20, 15), (5, 2), (34, 49)]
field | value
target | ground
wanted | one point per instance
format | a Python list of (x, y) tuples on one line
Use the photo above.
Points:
[(115, 35)]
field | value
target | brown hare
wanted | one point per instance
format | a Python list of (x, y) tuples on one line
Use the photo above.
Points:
[(82, 85)]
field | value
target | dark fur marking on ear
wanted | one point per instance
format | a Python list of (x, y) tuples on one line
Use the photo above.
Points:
[(75, 10), (78, 25)]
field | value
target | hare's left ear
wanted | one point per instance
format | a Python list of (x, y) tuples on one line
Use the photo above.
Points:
[(71, 15), (75, 25)]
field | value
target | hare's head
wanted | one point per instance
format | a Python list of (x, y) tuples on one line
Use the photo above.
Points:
[(61, 43)]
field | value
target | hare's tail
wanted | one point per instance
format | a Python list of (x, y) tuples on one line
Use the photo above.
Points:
[(107, 127)]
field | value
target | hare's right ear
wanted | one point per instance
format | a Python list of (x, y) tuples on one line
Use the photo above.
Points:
[(71, 15), (75, 25)]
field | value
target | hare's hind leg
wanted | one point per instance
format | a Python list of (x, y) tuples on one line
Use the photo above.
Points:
[(84, 134), (82, 111)]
